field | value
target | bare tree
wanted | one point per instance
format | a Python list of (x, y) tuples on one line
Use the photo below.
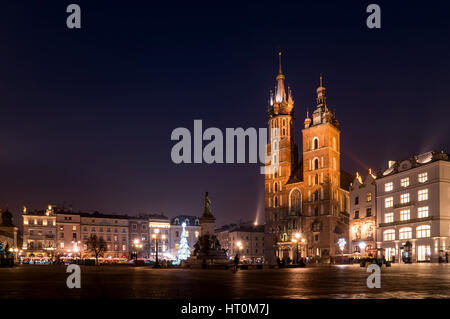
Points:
[(96, 245)]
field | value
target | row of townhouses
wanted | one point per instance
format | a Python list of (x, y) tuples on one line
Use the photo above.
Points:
[(403, 213), (60, 232)]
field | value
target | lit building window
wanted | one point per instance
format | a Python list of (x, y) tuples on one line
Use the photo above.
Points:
[(389, 234), (423, 231), (404, 198), (74, 227), (187, 233), (422, 212), (405, 233), (389, 218), (389, 202), (369, 197), (423, 194), (61, 245), (405, 182), (423, 177), (405, 214), (423, 252), (196, 234), (388, 187)]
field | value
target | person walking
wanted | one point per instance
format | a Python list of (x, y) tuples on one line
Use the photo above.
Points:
[(236, 262)]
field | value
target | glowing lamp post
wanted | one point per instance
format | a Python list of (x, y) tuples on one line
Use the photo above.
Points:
[(239, 245), (156, 238), (137, 245)]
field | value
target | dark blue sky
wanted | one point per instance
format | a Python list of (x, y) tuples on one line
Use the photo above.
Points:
[(87, 114)]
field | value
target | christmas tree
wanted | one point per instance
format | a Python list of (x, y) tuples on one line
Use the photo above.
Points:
[(183, 249)]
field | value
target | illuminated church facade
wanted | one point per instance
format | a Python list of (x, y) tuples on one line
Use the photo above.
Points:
[(307, 198)]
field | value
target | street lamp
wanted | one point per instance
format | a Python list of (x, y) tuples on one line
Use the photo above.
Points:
[(156, 238), (239, 245), (76, 247), (137, 245)]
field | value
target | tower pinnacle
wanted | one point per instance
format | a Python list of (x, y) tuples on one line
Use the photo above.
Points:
[(280, 94)]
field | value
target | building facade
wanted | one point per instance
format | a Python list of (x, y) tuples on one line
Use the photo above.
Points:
[(159, 230), (113, 229), (68, 234), (305, 198), (413, 209), (245, 240), (139, 236), (9, 234), (39, 233), (363, 216), (192, 232)]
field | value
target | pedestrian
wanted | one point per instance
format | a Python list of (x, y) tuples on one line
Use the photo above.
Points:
[(236, 262)]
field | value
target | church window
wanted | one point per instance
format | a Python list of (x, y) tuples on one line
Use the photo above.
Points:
[(316, 163), (296, 202), (315, 143)]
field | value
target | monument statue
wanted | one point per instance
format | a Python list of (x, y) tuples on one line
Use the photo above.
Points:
[(207, 250), (207, 207)]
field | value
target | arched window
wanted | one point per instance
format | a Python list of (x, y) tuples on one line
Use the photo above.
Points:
[(276, 187), (315, 143), (275, 202), (296, 201), (316, 163), (187, 222)]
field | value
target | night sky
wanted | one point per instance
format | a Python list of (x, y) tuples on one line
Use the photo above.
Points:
[(86, 115)]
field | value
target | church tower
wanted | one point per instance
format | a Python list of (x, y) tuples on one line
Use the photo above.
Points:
[(282, 155), (324, 199)]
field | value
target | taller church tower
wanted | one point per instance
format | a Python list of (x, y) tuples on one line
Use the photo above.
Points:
[(282, 153)]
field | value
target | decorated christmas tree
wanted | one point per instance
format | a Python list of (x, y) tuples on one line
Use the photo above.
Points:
[(183, 249)]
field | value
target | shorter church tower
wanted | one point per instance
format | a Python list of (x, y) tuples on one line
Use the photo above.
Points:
[(325, 202)]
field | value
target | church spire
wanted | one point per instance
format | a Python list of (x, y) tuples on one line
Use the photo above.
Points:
[(280, 94), (321, 94)]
